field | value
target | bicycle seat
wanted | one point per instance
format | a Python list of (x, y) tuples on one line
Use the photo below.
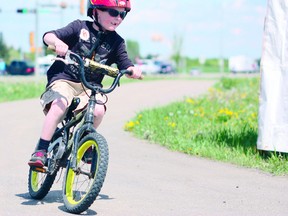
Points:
[(75, 102)]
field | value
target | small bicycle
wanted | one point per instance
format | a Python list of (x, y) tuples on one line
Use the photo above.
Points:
[(77, 146)]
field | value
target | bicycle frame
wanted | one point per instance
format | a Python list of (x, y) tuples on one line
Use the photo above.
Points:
[(86, 126), (84, 123)]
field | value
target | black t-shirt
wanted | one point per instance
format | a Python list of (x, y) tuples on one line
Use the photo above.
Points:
[(80, 36)]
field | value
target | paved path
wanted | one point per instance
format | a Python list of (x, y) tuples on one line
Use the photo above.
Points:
[(143, 179)]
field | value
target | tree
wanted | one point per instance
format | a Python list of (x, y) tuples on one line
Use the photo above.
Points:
[(177, 51), (4, 51), (133, 49)]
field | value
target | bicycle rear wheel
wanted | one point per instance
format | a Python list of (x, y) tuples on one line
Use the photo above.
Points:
[(39, 183), (81, 187), (40, 180)]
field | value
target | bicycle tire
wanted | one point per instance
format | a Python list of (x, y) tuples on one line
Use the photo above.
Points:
[(78, 200)]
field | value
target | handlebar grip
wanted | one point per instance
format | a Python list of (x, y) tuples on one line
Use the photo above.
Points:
[(130, 73)]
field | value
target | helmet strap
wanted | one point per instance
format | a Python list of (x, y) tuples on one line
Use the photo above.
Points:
[(95, 19), (100, 35)]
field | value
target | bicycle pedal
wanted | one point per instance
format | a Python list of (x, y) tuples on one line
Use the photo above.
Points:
[(39, 169)]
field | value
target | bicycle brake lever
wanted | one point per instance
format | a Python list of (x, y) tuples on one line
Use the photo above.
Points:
[(67, 60)]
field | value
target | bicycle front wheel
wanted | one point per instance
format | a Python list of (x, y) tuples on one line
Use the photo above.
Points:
[(81, 187)]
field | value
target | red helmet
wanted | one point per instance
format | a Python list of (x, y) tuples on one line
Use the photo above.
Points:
[(107, 4)]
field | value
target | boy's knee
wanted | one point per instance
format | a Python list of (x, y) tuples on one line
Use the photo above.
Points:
[(99, 111), (60, 105)]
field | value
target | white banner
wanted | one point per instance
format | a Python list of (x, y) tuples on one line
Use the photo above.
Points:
[(273, 109)]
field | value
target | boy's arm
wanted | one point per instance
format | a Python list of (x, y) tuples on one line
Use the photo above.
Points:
[(51, 39)]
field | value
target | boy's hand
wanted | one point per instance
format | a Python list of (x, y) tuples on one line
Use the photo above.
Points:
[(61, 48), (136, 72)]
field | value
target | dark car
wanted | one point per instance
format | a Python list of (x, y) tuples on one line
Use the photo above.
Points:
[(165, 67), (21, 68)]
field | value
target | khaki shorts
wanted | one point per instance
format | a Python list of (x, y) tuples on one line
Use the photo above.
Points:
[(67, 90)]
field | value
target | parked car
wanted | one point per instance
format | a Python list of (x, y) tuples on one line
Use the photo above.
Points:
[(165, 67), (20, 68), (2, 67), (44, 63), (195, 71), (148, 66), (243, 64)]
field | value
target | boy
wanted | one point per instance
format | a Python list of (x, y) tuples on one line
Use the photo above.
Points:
[(96, 40)]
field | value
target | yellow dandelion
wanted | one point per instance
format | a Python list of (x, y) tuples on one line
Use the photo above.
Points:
[(243, 95), (254, 115), (172, 124), (190, 100), (229, 113), (129, 126)]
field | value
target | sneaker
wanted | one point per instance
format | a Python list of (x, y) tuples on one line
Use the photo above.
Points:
[(38, 158)]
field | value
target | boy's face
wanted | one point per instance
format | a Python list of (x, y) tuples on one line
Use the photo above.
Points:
[(109, 22)]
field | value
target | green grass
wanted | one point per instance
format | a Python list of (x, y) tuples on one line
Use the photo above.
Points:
[(221, 125), (11, 91), (20, 88)]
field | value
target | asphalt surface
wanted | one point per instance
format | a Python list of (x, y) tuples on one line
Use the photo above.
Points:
[(143, 179)]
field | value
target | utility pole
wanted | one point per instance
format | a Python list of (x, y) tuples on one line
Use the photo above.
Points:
[(36, 39), (40, 8), (36, 12)]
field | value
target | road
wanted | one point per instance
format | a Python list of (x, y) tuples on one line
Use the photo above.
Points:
[(143, 179)]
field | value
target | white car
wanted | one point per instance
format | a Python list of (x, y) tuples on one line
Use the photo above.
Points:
[(148, 66)]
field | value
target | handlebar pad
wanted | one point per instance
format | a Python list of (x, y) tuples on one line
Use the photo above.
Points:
[(111, 71)]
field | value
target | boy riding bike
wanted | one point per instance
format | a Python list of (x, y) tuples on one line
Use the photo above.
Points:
[(96, 40)]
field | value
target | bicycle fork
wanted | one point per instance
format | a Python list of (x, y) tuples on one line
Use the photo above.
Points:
[(85, 126)]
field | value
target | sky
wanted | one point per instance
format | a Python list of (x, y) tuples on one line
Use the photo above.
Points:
[(207, 28)]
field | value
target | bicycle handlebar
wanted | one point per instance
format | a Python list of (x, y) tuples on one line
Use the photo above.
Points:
[(108, 70)]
